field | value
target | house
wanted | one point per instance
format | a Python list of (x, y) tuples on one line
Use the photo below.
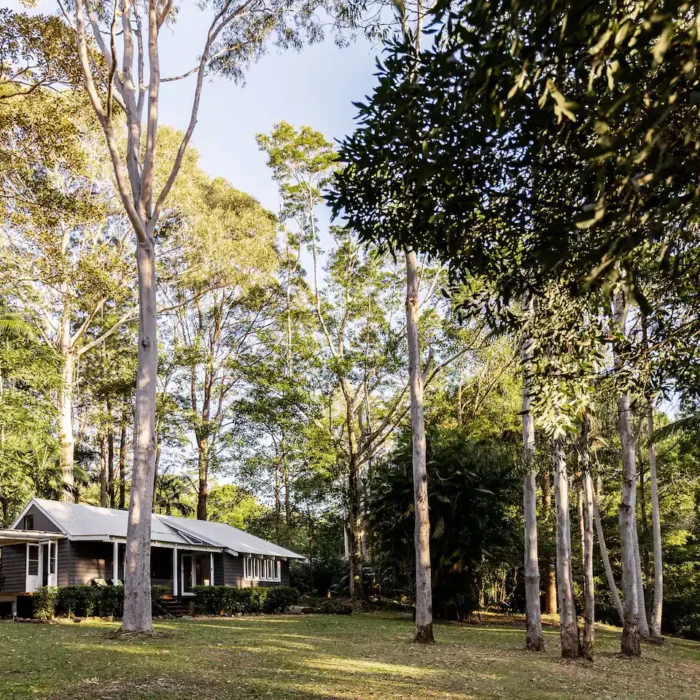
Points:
[(67, 544)]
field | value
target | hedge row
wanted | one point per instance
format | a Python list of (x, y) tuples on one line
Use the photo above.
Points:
[(224, 600), (88, 601)]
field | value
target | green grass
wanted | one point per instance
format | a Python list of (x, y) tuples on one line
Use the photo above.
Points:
[(325, 657)]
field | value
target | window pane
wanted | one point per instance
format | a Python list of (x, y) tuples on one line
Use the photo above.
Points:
[(33, 560), (28, 522), (52, 558)]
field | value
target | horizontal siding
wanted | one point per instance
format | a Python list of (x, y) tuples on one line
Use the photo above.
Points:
[(236, 577), (41, 522), (64, 562), (219, 569), (13, 568), (233, 571), (90, 560)]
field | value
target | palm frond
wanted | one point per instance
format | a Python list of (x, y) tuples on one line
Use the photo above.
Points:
[(677, 426)]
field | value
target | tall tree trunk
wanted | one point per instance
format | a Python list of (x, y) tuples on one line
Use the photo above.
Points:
[(643, 548), (606, 561), (103, 470), (278, 500), (111, 492), (357, 591), (287, 495), (424, 594), (588, 580), (533, 637), (568, 625), (203, 490), (137, 588), (65, 417), (639, 581), (655, 627), (550, 585), (122, 466), (630, 626)]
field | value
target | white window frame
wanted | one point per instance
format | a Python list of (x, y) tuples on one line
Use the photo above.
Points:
[(256, 569)]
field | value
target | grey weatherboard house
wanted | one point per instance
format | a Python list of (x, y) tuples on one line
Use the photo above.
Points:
[(66, 544)]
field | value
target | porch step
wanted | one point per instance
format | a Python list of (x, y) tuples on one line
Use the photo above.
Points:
[(175, 607)]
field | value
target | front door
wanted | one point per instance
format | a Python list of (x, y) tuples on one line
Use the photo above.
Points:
[(34, 567)]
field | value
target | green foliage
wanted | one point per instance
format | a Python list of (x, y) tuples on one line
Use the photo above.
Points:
[(474, 494), (79, 601), (44, 602), (227, 600)]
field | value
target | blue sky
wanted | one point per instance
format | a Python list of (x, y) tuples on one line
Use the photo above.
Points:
[(313, 87)]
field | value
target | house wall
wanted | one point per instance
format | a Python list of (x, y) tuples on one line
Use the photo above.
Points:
[(234, 574), (89, 560), (64, 562), (13, 568), (41, 522)]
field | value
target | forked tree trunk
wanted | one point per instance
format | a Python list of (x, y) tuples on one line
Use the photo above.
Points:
[(550, 583), (588, 580), (639, 581), (137, 586), (424, 594), (630, 624), (534, 639), (655, 626), (568, 625), (606, 561)]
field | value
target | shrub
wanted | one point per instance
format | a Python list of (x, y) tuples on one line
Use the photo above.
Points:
[(80, 601), (44, 603), (218, 600), (112, 601), (279, 599), (157, 595)]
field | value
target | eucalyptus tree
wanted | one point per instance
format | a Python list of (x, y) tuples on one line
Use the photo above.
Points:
[(66, 259), (130, 81)]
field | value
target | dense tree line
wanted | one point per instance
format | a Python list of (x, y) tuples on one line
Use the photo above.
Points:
[(494, 354)]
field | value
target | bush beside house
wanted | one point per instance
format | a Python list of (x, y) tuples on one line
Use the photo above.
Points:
[(88, 601), (224, 600)]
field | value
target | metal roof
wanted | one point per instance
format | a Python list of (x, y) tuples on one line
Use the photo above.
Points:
[(86, 521), (9, 537)]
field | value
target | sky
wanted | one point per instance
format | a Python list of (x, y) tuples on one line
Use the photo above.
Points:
[(313, 87)]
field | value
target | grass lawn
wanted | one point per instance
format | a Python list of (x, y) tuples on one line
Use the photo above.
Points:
[(325, 657)]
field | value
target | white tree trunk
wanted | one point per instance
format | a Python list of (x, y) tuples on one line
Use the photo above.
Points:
[(534, 640), (630, 624), (568, 624), (639, 581), (588, 581), (655, 626), (424, 594), (137, 586), (606, 561), (65, 423)]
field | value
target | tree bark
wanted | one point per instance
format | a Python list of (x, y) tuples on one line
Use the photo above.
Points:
[(534, 639), (424, 594), (568, 625), (111, 492), (357, 591), (606, 561), (550, 586), (137, 589), (122, 466), (630, 626), (203, 490), (588, 580), (65, 418), (639, 581), (103, 470), (655, 627)]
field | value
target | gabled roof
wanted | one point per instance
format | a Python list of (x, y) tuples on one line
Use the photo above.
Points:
[(85, 521)]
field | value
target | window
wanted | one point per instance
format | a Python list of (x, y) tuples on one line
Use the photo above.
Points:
[(52, 557), (28, 522), (32, 560), (262, 569)]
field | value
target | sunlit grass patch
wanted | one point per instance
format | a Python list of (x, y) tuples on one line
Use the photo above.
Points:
[(326, 658)]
